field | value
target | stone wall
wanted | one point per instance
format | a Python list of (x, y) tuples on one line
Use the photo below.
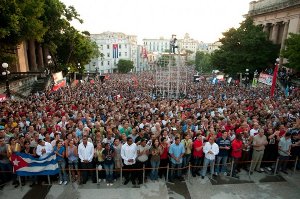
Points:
[(22, 86)]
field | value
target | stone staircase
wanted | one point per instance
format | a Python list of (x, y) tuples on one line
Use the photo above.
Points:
[(40, 85)]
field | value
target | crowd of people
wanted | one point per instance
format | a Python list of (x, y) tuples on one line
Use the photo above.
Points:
[(120, 123)]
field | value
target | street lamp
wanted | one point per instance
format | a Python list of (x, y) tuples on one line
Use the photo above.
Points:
[(49, 63), (6, 73), (246, 77)]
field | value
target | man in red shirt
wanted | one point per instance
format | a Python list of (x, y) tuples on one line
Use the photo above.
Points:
[(197, 154), (236, 153)]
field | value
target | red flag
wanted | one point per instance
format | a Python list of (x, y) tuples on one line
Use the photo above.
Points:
[(274, 80), (18, 162), (3, 97), (59, 85)]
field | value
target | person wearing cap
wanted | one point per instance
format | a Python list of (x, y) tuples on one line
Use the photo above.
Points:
[(43, 149)]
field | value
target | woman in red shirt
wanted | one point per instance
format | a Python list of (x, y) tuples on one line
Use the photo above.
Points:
[(164, 158), (197, 154), (236, 153)]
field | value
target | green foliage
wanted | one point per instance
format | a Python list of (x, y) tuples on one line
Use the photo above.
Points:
[(48, 22), (19, 21), (124, 66), (203, 62), (246, 47), (292, 51)]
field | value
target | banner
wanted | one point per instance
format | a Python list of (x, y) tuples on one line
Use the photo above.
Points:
[(3, 97), (115, 51), (59, 85), (26, 165), (254, 82), (265, 79), (57, 77)]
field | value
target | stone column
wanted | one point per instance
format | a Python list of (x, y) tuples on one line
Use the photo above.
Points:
[(266, 28), (40, 59), (275, 33), (32, 57), (284, 36)]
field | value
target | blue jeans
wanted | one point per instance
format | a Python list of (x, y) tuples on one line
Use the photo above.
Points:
[(154, 171), (185, 161), (196, 164), (5, 172), (223, 164), (175, 168), (62, 172), (109, 172), (205, 164)]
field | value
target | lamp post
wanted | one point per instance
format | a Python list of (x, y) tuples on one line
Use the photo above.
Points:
[(49, 64), (247, 77), (78, 67), (6, 72)]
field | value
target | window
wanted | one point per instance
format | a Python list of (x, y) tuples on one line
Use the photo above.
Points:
[(125, 45), (125, 54), (107, 46), (108, 63), (120, 46), (108, 54), (101, 63), (120, 54), (101, 47)]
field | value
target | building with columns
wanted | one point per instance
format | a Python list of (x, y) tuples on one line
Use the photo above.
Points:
[(278, 18), (113, 46)]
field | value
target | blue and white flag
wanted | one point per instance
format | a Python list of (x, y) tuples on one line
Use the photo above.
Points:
[(26, 165)]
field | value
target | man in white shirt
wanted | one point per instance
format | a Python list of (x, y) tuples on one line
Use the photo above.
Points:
[(86, 154), (43, 149), (129, 154), (210, 149), (254, 130)]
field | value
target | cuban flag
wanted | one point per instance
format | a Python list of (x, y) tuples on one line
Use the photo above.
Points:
[(26, 165), (115, 51)]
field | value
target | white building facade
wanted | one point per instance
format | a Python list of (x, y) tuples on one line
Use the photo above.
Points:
[(157, 45), (188, 43), (113, 46)]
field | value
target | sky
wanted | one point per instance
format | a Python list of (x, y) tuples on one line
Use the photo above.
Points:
[(204, 20)]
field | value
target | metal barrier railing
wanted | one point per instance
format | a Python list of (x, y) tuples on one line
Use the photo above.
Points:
[(188, 168)]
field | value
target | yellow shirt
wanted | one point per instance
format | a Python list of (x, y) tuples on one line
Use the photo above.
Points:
[(99, 155)]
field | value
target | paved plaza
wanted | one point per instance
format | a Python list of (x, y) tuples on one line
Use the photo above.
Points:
[(255, 186)]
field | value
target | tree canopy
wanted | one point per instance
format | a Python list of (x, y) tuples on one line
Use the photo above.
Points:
[(203, 62), (246, 47), (292, 51), (19, 21), (124, 66), (48, 22)]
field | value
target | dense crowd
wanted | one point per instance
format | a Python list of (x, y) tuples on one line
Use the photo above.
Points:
[(121, 123)]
